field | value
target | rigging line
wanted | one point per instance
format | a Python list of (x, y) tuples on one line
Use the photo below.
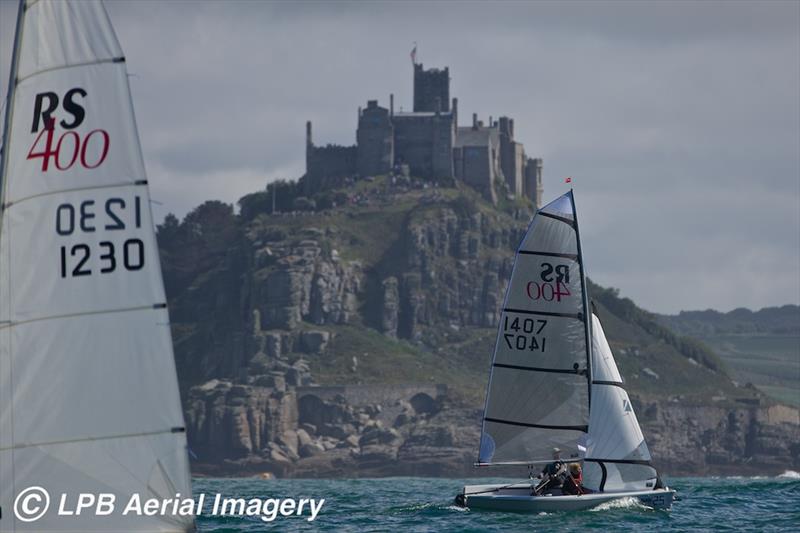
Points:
[(514, 463), (120, 59), (91, 439), (577, 316), (85, 313), (496, 489), (120, 184)]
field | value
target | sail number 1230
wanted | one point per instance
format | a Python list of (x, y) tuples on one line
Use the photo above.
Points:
[(85, 218)]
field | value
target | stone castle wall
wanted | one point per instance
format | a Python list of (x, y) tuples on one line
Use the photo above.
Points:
[(428, 141)]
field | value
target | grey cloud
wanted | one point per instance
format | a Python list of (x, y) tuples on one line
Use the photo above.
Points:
[(680, 121)]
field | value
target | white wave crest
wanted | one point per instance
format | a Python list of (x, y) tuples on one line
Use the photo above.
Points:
[(621, 503), (455, 508), (790, 474)]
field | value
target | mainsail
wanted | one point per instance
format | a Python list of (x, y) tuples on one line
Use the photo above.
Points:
[(539, 387), (88, 391), (617, 457)]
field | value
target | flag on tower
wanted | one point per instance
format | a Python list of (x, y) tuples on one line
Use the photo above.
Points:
[(414, 54)]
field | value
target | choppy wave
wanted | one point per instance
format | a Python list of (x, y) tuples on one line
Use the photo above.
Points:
[(787, 474), (425, 504), (621, 503)]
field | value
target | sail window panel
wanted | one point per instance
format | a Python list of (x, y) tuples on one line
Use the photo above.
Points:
[(546, 285), (550, 235), (618, 477), (614, 431), (94, 376), (152, 466), (604, 368), (69, 33), (544, 342), (83, 251), (538, 398), (515, 443), (38, 165)]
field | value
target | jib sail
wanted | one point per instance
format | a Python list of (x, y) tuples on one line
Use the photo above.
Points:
[(617, 457)]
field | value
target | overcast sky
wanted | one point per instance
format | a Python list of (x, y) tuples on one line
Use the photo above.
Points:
[(679, 121)]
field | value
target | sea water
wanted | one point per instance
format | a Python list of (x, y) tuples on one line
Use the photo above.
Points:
[(426, 504)]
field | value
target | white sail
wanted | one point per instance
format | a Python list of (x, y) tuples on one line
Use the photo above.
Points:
[(538, 395), (88, 391), (617, 457)]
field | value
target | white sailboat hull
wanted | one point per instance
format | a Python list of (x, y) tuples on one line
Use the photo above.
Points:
[(518, 498)]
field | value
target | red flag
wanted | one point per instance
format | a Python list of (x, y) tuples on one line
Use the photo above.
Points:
[(414, 54), (567, 180)]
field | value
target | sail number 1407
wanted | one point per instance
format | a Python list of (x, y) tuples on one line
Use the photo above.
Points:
[(524, 334)]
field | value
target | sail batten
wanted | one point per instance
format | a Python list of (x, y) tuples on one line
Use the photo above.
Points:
[(577, 316), (89, 401)]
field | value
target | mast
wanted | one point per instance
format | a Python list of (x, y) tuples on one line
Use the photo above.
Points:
[(587, 316), (12, 85)]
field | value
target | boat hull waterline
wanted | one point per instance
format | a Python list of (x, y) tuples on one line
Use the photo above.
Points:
[(518, 498)]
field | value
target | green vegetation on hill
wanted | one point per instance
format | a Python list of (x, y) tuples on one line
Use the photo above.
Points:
[(449, 252), (644, 347), (759, 347), (784, 320)]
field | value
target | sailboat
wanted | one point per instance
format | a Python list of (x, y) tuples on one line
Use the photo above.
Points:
[(554, 385), (89, 400)]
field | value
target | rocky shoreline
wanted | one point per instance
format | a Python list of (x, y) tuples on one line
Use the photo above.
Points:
[(315, 432)]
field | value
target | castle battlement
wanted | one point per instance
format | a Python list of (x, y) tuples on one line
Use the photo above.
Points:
[(431, 143)]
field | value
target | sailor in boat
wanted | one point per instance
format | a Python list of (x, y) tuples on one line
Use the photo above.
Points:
[(553, 474), (573, 483)]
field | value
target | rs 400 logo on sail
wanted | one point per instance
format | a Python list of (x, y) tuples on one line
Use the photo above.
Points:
[(69, 148)]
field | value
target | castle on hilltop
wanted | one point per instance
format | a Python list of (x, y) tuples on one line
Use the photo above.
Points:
[(428, 143)]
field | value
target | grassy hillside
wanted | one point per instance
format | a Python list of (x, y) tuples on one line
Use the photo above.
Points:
[(759, 347), (435, 241)]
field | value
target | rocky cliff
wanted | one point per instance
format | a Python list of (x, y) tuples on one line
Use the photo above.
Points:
[(354, 339)]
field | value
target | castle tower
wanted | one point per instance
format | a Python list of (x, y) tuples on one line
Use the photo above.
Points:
[(533, 182), (375, 139), (512, 157), (431, 89)]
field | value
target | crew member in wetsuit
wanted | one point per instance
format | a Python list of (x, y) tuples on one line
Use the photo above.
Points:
[(552, 474)]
